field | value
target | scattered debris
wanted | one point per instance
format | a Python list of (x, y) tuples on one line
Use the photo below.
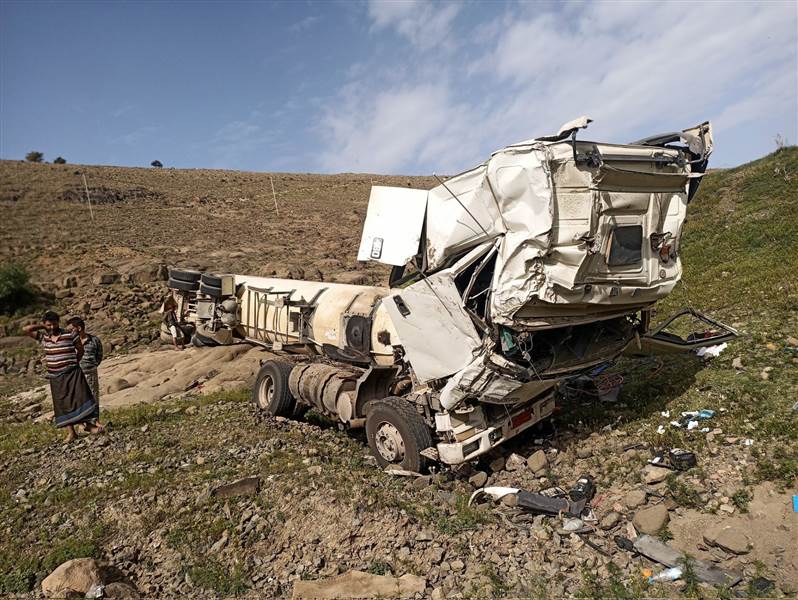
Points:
[(711, 351), (671, 574), (358, 584), (660, 552)]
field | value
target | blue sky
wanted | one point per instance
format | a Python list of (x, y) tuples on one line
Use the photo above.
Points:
[(385, 87)]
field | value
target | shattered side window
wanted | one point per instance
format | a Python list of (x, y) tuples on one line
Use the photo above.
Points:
[(626, 246)]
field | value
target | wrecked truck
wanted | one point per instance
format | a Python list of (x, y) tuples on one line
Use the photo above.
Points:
[(535, 266)]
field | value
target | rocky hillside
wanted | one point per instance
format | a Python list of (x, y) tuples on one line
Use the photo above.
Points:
[(152, 500)]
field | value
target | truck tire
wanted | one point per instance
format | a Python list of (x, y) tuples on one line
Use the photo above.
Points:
[(271, 393), (209, 290), (397, 434), (185, 286), (211, 280), (189, 275)]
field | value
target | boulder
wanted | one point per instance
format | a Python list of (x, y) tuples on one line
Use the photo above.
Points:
[(105, 278), (73, 578), (538, 462), (478, 479), (634, 499), (610, 520), (118, 384), (728, 538), (121, 590), (651, 520), (248, 486), (584, 452), (653, 474), (497, 464), (514, 462)]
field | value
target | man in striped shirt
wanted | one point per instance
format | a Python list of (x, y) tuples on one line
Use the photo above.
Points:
[(73, 401)]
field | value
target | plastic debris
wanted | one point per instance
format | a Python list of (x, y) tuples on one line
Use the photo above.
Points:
[(583, 489), (661, 429), (692, 425), (681, 459), (97, 590), (671, 574), (573, 524), (660, 552), (795, 504), (711, 351)]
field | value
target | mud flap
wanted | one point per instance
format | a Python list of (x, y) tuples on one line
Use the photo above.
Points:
[(672, 338)]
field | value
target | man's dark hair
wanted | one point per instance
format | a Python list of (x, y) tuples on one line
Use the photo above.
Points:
[(77, 322), (51, 316)]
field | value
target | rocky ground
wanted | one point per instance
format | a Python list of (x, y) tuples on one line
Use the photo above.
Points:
[(148, 500)]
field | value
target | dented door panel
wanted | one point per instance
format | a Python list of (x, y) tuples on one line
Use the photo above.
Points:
[(662, 341)]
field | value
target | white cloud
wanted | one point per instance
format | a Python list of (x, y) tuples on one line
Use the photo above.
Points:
[(425, 25), (634, 67)]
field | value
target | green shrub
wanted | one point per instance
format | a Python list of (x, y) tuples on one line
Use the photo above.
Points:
[(59, 160), (34, 156), (15, 289)]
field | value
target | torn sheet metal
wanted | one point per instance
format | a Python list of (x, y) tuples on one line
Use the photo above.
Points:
[(557, 217), (433, 301), (392, 230)]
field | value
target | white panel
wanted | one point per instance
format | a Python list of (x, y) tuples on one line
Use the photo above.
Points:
[(436, 333), (392, 231)]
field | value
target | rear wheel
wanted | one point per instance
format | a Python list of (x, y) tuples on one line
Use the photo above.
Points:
[(397, 434), (209, 290), (183, 286), (188, 275), (271, 393)]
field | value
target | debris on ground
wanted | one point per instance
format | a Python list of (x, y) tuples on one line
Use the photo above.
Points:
[(660, 552)]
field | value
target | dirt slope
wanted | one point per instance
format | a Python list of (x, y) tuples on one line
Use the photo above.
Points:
[(139, 498)]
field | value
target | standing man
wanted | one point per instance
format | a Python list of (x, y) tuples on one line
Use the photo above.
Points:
[(92, 357), (73, 402)]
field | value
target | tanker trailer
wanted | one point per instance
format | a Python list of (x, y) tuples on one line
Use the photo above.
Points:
[(538, 265)]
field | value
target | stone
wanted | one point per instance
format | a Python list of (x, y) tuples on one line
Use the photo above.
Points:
[(651, 520), (514, 462), (105, 278), (121, 591), (584, 452), (248, 486), (728, 538), (653, 474), (478, 479), (62, 294), (634, 499), (737, 363), (74, 577), (537, 462), (358, 584), (117, 384), (497, 464), (610, 520), (510, 500), (69, 281), (315, 470)]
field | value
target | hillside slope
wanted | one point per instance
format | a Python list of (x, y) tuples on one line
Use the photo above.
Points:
[(139, 498)]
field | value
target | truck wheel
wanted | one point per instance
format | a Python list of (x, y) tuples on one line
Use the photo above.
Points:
[(271, 393), (188, 275), (209, 290), (397, 434), (185, 286), (211, 280)]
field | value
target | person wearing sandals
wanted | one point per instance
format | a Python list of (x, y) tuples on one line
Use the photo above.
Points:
[(92, 357), (73, 401)]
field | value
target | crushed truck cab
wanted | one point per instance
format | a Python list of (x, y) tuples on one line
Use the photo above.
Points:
[(535, 266)]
